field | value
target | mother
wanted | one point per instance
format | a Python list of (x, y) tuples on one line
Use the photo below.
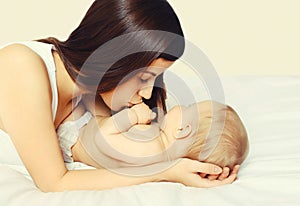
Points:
[(41, 78)]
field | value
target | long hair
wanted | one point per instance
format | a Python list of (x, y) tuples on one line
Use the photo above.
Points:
[(108, 19)]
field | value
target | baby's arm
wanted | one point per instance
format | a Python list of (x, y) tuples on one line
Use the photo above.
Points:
[(114, 131), (134, 144), (125, 119)]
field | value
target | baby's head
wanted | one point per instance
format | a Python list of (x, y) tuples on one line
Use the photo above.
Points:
[(221, 137)]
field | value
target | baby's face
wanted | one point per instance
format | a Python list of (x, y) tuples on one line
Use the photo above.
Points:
[(179, 117), (173, 118)]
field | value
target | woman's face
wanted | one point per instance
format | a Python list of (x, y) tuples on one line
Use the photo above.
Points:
[(137, 87)]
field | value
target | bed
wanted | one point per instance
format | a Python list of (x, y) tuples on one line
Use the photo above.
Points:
[(270, 109)]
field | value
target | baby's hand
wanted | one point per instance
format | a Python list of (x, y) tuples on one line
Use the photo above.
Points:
[(143, 113)]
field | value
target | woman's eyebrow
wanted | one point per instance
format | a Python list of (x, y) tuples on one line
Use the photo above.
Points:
[(152, 73)]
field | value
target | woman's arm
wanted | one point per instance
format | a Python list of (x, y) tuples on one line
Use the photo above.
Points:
[(25, 110)]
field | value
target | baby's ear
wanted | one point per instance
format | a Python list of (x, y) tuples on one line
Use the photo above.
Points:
[(183, 132)]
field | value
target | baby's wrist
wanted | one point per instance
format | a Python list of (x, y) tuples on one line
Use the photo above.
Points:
[(133, 117)]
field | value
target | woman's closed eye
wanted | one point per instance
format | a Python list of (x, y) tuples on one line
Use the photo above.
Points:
[(145, 78)]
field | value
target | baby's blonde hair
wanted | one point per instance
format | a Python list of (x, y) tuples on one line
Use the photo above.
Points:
[(232, 146)]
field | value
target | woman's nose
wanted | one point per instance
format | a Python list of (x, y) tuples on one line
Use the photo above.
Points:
[(146, 92)]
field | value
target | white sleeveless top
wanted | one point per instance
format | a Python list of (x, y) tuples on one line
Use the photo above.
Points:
[(8, 152), (45, 52)]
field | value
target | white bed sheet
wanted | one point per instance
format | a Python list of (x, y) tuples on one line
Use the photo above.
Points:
[(270, 109)]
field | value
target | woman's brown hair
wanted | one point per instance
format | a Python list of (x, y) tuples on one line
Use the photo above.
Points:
[(109, 19)]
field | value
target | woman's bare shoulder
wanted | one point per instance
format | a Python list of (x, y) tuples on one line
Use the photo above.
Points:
[(15, 57), (20, 65), (15, 49)]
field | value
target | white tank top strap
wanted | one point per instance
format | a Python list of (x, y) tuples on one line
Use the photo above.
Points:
[(76, 101), (83, 120)]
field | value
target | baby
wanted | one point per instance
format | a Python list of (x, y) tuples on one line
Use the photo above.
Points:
[(206, 131)]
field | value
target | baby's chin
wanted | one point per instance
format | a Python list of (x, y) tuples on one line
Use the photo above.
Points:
[(114, 110)]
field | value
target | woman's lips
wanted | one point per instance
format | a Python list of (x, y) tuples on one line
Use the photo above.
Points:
[(130, 104)]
